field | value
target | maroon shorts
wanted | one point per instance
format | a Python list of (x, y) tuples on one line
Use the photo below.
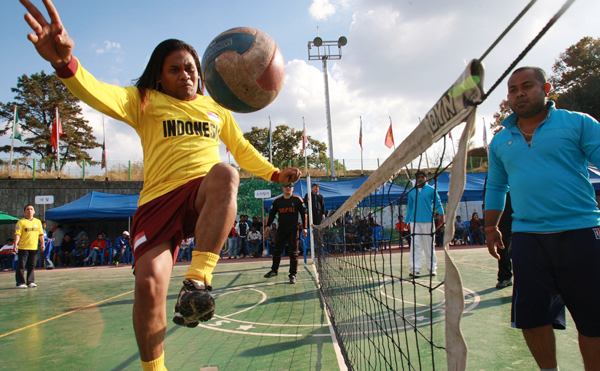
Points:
[(170, 217)]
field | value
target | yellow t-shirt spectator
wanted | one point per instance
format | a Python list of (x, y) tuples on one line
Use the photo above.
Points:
[(29, 232)]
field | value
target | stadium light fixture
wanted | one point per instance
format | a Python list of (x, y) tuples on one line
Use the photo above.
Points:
[(327, 50)]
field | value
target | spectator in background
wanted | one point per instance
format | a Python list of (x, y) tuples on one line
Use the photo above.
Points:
[(257, 223), (365, 234), (477, 229), (58, 236), (272, 236), (121, 244), (80, 232), (67, 247), (254, 239), (184, 249), (232, 240), (29, 233), (403, 230), (460, 230), (242, 231), (97, 247), (318, 204), (351, 234), (72, 232), (80, 247), (7, 254)]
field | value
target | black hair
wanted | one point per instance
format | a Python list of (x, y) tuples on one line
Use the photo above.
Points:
[(150, 78), (421, 172), (26, 206), (540, 74)]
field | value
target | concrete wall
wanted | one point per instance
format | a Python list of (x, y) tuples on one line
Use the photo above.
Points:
[(16, 193)]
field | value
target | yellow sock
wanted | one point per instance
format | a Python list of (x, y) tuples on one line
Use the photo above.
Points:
[(202, 266), (156, 365)]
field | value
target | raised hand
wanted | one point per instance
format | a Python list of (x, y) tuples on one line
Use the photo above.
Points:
[(50, 39)]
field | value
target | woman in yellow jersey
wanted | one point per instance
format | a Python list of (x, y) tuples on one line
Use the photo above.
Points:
[(187, 189), (29, 234)]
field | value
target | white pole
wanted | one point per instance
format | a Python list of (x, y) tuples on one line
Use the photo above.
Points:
[(270, 139), (104, 149), (308, 191), (12, 143)]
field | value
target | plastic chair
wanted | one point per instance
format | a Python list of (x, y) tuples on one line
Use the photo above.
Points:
[(381, 237), (467, 225)]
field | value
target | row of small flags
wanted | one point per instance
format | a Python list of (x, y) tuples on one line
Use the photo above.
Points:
[(57, 132)]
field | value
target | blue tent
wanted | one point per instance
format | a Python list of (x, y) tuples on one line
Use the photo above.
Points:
[(336, 193), (473, 187), (96, 206)]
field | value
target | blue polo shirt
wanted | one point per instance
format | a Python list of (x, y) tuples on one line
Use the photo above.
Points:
[(549, 183), (424, 201)]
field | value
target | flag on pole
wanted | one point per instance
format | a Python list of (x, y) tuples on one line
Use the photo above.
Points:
[(17, 132), (450, 135), (389, 137), (103, 153), (304, 139), (56, 131), (360, 135), (226, 149), (485, 142)]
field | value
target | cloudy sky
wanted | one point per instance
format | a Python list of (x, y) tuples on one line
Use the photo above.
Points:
[(400, 57)]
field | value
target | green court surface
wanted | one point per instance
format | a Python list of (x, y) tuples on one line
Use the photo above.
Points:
[(80, 319)]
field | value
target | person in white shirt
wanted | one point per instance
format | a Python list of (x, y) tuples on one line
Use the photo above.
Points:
[(254, 239)]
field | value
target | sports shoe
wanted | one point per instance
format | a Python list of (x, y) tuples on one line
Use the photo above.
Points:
[(194, 304), (86, 259), (503, 284), (292, 279), (414, 274), (32, 285), (270, 274), (22, 286), (434, 273)]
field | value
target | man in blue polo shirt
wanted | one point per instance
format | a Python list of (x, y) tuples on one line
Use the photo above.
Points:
[(419, 214), (542, 155)]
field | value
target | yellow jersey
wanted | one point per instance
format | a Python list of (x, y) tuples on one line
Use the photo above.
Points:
[(180, 139), (29, 232)]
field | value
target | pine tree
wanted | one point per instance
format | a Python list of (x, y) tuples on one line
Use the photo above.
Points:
[(37, 97)]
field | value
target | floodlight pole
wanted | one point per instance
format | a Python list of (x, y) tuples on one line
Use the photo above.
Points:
[(327, 54)]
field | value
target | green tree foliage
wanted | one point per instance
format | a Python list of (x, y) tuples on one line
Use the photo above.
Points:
[(37, 97), (576, 78), (499, 116), (249, 205), (287, 146)]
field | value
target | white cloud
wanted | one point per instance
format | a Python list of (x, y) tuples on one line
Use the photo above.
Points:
[(323, 9), (108, 46)]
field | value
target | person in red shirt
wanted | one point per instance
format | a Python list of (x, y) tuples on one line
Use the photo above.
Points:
[(403, 230), (97, 247)]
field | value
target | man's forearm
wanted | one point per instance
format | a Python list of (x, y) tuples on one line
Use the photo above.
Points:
[(492, 217)]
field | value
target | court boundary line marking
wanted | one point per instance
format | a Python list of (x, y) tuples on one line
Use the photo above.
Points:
[(64, 314)]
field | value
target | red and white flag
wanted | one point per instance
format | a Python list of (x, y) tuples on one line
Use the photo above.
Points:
[(56, 131), (103, 153), (450, 135), (389, 137), (304, 139), (360, 135), (485, 142)]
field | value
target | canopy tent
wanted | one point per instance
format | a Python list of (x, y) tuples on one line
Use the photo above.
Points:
[(473, 187), (336, 193), (96, 206), (7, 219)]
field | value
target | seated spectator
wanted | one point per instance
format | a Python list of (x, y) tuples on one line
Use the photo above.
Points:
[(365, 234), (121, 244), (97, 247), (80, 232), (477, 229), (272, 235), (184, 249), (66, 248), (80, 247), (439, 230), (7, 254), (254, 239), (351, 236), (460, 231), (403, 230), (335, 234)]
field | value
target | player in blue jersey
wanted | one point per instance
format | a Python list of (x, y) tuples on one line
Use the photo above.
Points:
[(543, 155)]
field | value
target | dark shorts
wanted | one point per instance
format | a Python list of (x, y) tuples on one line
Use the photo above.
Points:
[(169, 217), (555, 270)]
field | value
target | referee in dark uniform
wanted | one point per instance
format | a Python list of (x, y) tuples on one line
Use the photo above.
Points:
[(290, 208)]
